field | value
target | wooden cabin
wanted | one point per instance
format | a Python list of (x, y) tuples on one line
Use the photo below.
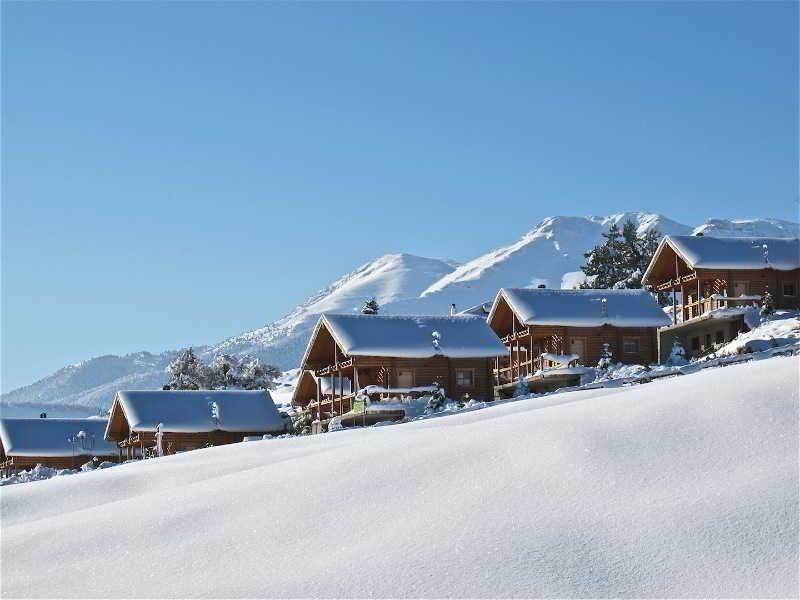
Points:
[(542, 328), (161, 422), (54, 443), (394, 352), (706, 274)]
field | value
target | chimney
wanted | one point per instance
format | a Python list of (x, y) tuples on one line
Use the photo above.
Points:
[(42, 415), (699, 234), (452, 309), (541, 286)]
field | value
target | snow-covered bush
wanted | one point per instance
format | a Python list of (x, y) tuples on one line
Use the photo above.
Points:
[(520, 389), (767, 305), (437, 399), (677, 355), (370, 307)]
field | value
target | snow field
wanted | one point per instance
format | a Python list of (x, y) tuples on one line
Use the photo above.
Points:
[(686, 487)]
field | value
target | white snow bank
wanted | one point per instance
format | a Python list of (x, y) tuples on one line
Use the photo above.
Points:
[(686, 487), (377, 389), (782, 328), (562, 359)]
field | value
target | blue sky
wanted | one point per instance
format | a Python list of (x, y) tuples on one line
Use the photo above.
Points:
[(174, 173)]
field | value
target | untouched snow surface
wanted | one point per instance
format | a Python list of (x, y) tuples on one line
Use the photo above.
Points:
[(685, 487)]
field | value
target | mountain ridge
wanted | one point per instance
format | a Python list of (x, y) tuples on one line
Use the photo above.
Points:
[(550, 253)]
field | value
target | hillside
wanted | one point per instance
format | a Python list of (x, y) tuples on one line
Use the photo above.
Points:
[(550, 253), (685, 487)]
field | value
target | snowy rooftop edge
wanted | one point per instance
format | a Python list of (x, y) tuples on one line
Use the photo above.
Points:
[(48, 437), (408, 336)]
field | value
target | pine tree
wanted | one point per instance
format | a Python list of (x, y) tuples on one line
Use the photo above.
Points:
[(621, 260), (255, 375), (370, 307), (186, 372)]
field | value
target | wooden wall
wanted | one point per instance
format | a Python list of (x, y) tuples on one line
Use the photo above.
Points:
[(428, 371), (758, 280)]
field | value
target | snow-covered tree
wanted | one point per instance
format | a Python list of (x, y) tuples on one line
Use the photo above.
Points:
[(370, 307), (255, 375), (767, 305), (187, 372), (605, 357), (621, 260)]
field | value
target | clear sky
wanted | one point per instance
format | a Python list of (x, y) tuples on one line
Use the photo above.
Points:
[(174, 173)]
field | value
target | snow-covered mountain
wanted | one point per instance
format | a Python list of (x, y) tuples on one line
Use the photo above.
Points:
[(551, 253)]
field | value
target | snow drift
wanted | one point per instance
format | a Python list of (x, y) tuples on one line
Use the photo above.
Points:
[(686, 487)]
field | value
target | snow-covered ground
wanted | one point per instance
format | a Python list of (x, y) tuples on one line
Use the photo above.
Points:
[(549, 253), (685, 487)]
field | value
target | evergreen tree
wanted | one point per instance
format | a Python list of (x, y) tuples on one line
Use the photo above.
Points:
[(621, 260), (370, 307), (255, 375), (186, 372)]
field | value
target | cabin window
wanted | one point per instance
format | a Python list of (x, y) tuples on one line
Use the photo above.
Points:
[(630, 345), (740, 288), (788, 288), (405, 378), (695, 343), (465, 378), (720, 336)]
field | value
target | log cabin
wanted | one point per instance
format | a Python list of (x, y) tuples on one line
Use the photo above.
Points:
[(395, 352), (542, 328), (54, 443), (161, 422), (712, 279)]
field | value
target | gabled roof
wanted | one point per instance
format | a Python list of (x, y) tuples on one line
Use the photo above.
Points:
[(193, 411), (48, 437), (702, 252), (582, 308), (459, 336)]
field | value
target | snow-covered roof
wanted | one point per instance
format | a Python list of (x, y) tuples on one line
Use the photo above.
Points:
[(704, 252), (48, 437), (459, 336), (583, 308), (195, 411)]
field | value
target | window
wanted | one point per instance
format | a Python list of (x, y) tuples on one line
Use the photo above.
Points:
[(740, 288), (465, 378), (578, 346), (720, 339), (630, 345), (788, 288), (405, 378)]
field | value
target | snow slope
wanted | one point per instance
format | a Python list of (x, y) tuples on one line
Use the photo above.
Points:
[(643, 491), (404, 284)]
